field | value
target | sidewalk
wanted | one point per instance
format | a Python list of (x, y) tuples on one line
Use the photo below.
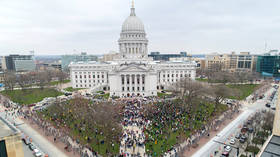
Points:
[(59, 145), (205, 140)]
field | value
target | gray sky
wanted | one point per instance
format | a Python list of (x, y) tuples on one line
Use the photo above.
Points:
[(195, 26)]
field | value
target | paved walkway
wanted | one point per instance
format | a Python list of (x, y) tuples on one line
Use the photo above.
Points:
[(132, 133)]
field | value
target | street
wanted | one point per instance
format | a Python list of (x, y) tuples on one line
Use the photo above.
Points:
[(39, 141), (217, 142)]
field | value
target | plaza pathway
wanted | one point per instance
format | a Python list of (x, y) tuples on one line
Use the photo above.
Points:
[(133, 138)]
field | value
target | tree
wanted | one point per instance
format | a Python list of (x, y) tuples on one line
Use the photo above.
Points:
[(9, 80), (41, 78), (23, 80), (61, 76), (220, 92), (188, 89)]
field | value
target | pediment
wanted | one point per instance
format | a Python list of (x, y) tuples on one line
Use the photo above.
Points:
[(133, 67)]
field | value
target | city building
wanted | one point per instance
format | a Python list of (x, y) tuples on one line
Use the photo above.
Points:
[(132, 72), (49, 66), (109, 57), (243, 62), (157, 56), (10, 140), (83, 57), (271, 148), (18, 63), (269, 65), (2, 76)]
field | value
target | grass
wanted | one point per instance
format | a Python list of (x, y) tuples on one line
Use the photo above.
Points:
[(53, 83), (30, 96), (159, 144), (80, 127), (244, 90), (201, 79), (104, 96), (71, 89), (162, 95)]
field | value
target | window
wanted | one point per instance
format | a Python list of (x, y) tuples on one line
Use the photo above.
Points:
[(122, 88), (89, 76), (85, 76), (102, 76), (90, 85), (143, 88), (143, 79), (77, 86), (93, 76), (76, 81), (122, 80), (97, 76), (80, 76), (76, 76), (85, 81), (127, 88), (81, 81), (133, 88), (138, 88), (167, 75)]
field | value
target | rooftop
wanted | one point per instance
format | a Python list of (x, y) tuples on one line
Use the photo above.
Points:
[(273, 147), (6, 128)]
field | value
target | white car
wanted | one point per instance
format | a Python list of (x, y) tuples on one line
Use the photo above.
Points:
[(227, 148), (232, 141), (38, 154)]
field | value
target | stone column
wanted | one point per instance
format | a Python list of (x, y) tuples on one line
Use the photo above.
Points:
[(130, 82), (125, 86)]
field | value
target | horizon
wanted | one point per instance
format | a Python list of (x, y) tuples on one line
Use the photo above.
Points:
[(197, 27)]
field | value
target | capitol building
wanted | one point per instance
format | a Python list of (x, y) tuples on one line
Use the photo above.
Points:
[(132, 73)]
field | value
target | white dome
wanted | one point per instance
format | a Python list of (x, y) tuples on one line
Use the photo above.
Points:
[(133, 23)]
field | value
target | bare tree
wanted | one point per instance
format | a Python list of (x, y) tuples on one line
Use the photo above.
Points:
[(41, 78), (61, 76), (9, 80), (23, 80), (189, 89)]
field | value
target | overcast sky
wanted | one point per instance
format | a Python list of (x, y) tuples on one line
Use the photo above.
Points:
[(93, 26)]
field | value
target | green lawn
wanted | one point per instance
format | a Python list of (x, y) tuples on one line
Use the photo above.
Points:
[(83, 127), (30, 96), (71, 89), (105, 96), (244, 90), (201, 79), (161, 95), (53, 83), (158, 144)]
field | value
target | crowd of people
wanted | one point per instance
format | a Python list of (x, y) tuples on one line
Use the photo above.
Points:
[(133, 139)]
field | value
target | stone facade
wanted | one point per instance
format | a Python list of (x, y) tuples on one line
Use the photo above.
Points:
[(132, 72)]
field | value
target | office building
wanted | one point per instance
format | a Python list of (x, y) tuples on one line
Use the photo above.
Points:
[(269, 65), (19, 63), (157, 56), (83, 57)]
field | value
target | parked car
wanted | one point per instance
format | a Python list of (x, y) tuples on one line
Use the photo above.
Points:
[(225, 154), (273, 107), (267, 104), (31, 147), (38, 154), (238, 136), (227, 148), (232, 141), (242, 140)]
